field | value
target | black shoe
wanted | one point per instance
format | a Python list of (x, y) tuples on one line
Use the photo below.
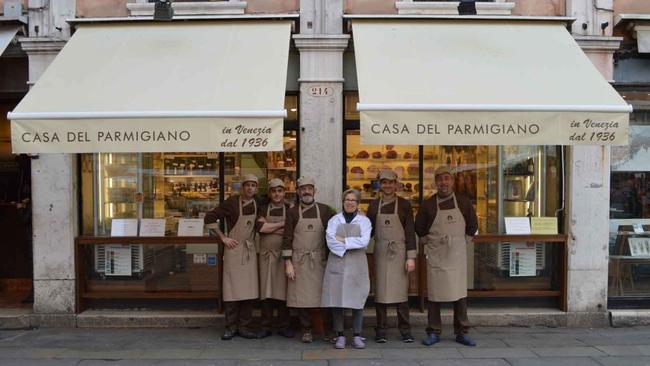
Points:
[(228, 335), (287, 333), (407, 338), (264, 334), (380, 337), (248, 335)]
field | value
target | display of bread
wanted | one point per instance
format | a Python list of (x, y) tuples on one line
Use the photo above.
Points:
[(363, 154), (391, 154), (372, 171), (413, 169), (407, 155), (376, 155)]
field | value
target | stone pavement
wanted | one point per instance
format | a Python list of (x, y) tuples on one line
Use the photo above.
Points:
[(497, 346)]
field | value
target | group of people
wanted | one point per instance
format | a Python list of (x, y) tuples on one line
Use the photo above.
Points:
[(311, 257)]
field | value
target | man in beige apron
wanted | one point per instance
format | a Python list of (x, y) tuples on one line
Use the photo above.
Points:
[(240, 274), (444, 222), (273, 281), (394, 255), (304, 251)]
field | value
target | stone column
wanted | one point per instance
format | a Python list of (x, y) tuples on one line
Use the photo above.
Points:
[(54, 196), (321, 45), (588, 175)]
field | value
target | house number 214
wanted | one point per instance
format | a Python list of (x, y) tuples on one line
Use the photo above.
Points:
[(320, 91)]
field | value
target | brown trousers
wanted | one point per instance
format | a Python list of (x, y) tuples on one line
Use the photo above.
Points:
[(268, 306), (403, 323), (306, 324), (239, 315), (461, 323)]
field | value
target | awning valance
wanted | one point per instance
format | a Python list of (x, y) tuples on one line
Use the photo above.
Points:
[(485, 82), (146, 87)]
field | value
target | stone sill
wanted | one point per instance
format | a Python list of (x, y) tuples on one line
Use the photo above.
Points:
[(191, 8), (450, 8)]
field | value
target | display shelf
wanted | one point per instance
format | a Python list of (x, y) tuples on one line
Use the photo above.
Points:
[(384, 160), (289, 168), (206, 176)]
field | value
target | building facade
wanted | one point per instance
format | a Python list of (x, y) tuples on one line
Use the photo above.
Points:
[(572, 275)]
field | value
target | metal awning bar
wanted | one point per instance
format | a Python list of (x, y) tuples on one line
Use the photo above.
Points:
[(146, 114), (496, 108)]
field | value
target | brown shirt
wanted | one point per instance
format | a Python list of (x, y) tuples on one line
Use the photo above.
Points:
[(229, 209), (405, 217), (293, 215), (427, 213), (274, 212)]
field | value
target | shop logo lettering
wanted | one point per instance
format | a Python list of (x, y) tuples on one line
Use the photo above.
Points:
[(310, 227), (449, 218), (387, 222)]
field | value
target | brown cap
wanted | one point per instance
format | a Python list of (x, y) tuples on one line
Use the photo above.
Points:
[(249, 178), (276, 182), (444, 169), (304, 181), (387, 174)]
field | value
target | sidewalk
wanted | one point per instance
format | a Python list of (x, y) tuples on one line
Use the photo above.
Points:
[(497, 346)]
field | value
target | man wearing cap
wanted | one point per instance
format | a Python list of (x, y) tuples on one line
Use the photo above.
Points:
[(240, 275), (445, 223), (394, 255), (304, 250), (273, 281)]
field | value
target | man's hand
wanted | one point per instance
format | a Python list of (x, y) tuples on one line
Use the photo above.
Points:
[(340, 238), (288, 269), (410, 265), (230, 243), (280, 231), (262, 219)]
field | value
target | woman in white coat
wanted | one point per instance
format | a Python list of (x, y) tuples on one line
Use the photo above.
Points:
[(346, 283)]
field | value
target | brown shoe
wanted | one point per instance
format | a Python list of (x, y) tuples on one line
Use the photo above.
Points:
[(307, 337)]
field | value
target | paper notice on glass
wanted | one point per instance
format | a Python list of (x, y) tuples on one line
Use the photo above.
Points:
[(523, 259), (517, 225), (543, 225), (124, 227), (152, 227), (118, 260), (638, 228), (639, 247), (190, 227), (200, 258)]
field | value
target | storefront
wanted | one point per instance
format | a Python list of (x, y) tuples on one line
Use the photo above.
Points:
[(160, 145), (15, 175), (501, 119), (629, 239)]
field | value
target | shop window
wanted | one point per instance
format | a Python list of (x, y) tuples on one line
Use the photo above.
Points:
[(170, 186), (501, 181), (629, 212)]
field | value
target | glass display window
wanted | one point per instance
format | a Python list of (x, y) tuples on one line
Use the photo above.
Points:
[(365, 162)]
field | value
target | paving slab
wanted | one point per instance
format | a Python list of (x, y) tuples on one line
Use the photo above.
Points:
[(474, 362), (508, 352), (336, 354), (555, 361), (28, 353), (114, 354), (420, 354), (251, 354), (549, 340), (37, 362), (621, 350), (624, 361), (170, 353), (568, 352)]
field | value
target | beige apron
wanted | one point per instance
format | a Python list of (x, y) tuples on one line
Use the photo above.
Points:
[(391, 279), (273, 280), (446, 254), (346, 283), (240, 279), (308, 262)]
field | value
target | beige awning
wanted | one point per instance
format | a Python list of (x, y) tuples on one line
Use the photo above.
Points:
[(145, 87), (7, 33), (486, 82)]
